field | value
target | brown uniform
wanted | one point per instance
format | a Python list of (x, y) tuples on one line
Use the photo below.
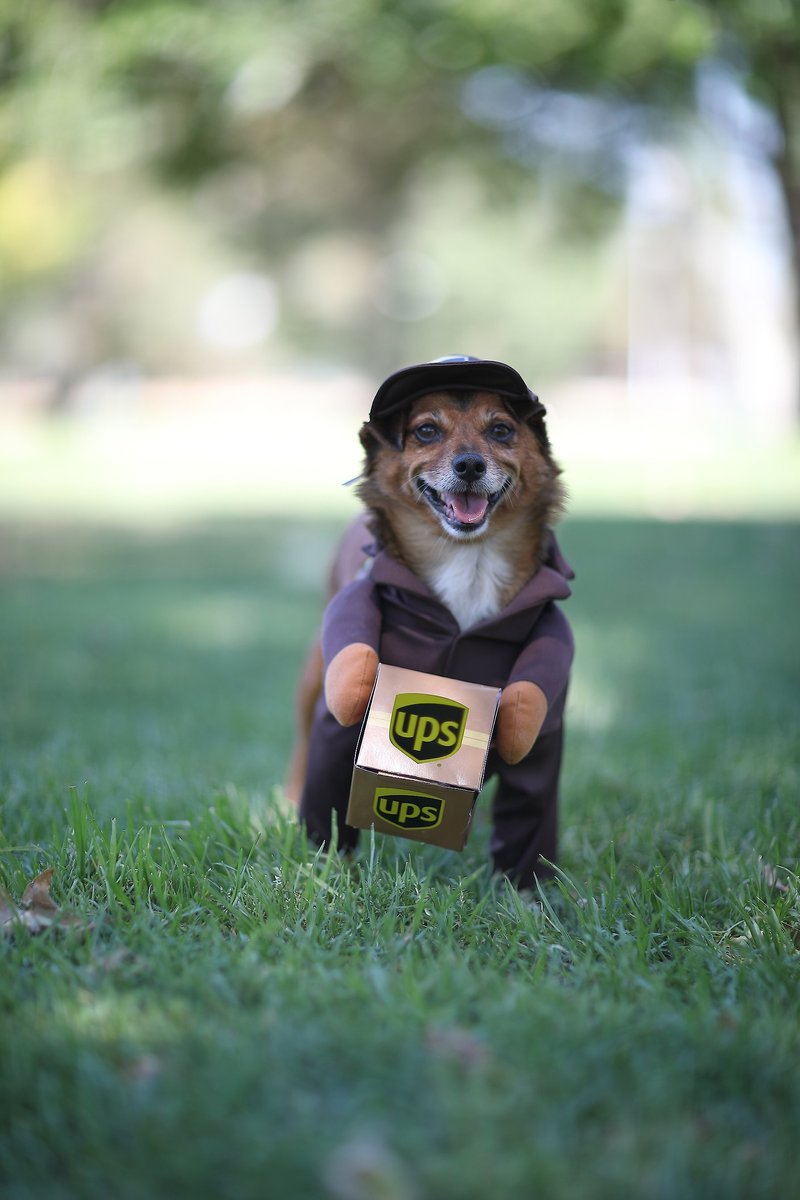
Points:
[(393, 611)]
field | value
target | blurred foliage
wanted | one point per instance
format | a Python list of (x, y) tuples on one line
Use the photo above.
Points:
[(766, 36), (307, 137), (186, 88)]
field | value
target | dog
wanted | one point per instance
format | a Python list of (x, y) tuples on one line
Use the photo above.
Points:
[(460, 490)]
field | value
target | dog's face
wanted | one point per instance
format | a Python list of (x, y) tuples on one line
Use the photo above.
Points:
[(465, 465)]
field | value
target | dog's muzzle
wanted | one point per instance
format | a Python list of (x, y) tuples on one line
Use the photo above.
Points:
[(461, 511)]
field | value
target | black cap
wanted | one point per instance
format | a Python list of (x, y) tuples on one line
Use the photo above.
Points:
[(459, 372)]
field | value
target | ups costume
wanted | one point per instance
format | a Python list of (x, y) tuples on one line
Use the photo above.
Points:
[(392, 610)]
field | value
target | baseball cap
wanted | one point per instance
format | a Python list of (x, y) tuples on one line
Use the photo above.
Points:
[(457, 372)]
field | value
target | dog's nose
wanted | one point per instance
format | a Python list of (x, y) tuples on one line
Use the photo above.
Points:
[(469, 467)]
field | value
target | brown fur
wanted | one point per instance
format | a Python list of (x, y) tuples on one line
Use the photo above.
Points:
[(403, 521)]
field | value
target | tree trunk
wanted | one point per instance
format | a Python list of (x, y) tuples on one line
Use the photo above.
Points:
[(786, 101)]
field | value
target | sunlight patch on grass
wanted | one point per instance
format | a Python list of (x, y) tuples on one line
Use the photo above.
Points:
[(591, 707), (731, 481), (152, 471)]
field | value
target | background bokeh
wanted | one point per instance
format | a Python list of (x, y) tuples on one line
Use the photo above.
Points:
[(222, 223)]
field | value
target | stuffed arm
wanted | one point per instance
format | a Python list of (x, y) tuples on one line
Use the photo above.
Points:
[(350, 639), (523, 708), (348, 682), (538, 680)]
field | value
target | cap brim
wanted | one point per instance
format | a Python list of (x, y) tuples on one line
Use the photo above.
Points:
[(407, 385)]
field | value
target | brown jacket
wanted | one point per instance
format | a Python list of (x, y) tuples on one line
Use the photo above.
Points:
[(392, 610)]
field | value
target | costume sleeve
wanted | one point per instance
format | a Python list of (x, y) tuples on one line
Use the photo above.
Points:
[(547, 658), (353, 615)]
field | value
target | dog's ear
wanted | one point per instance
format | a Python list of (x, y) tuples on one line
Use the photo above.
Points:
[(536, 423), (384, 434)]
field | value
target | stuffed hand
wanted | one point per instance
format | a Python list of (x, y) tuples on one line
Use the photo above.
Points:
[(523, 708), (348, 682)]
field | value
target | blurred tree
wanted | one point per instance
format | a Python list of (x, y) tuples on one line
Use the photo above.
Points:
[(764, 38), (302, 116)]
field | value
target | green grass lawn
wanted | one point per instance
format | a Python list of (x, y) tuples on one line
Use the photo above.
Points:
[(242, 1021)]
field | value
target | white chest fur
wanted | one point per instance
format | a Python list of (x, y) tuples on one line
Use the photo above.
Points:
[(471, 580)]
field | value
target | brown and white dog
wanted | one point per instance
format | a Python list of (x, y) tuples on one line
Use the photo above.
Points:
[(460, 486)]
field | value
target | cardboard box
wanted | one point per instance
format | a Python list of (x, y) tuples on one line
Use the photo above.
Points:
[(421, 756)]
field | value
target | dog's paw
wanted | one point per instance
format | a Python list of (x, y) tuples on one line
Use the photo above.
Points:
[(523, 708), (348, 682)]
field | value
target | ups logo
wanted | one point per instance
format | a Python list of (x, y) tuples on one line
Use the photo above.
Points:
[(427, 728), (408, 810)]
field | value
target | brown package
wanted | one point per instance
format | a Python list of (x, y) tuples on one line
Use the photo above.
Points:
[(421, 756)]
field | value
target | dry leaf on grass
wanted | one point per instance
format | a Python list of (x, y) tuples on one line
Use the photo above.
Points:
[(365, 1168), (794, 933), (773, 879), (457, 1044), (143, 1069), (37, 910)]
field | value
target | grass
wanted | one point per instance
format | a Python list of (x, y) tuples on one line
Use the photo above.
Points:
[(243, 1019)]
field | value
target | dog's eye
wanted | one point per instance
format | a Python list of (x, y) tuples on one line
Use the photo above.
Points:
[(427, 432), (501, 432)]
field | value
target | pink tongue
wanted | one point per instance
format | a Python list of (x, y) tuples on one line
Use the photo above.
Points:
[(465, 507)]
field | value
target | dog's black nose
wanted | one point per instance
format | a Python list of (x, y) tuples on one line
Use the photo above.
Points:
[(469, 467)]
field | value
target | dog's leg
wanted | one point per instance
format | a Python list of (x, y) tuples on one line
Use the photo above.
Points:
[(308, 690), (525, 813), (326, 790), (347, 562)]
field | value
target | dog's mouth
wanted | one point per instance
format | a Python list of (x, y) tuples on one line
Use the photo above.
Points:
[(464, 512)]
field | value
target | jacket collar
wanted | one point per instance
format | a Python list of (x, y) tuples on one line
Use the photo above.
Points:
[(550, 582)]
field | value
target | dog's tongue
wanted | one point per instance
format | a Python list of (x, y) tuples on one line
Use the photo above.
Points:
[(466, 507)]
